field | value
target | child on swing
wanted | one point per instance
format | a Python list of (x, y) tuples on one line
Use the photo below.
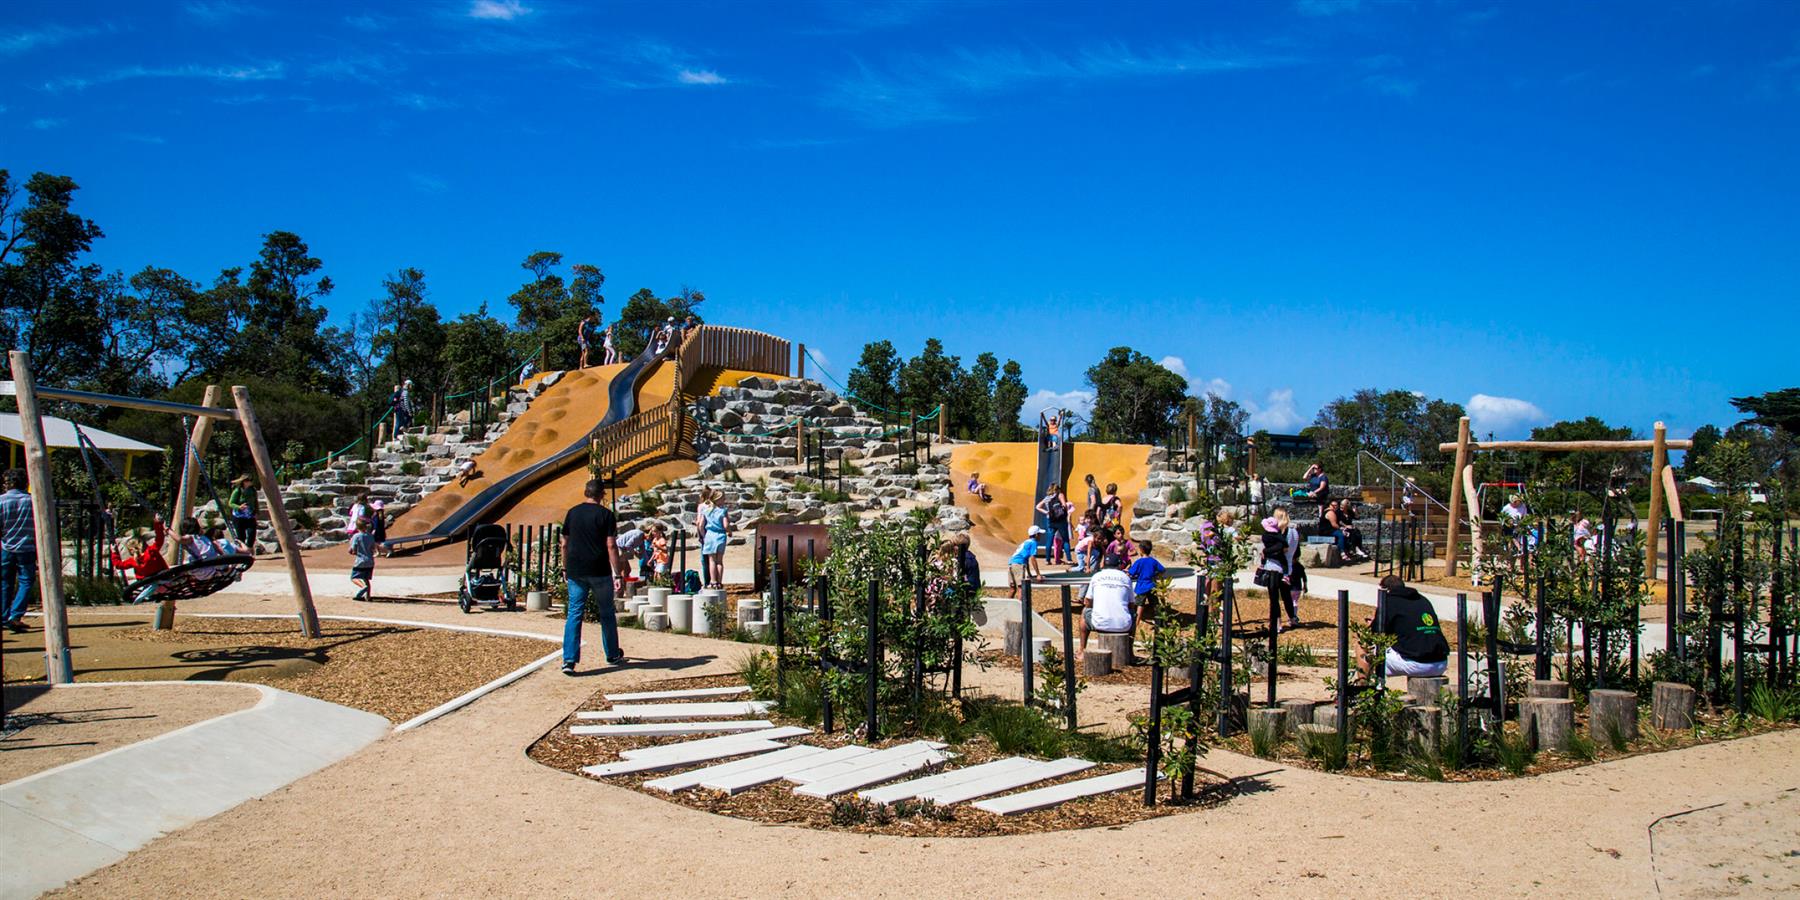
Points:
[(143, 559)]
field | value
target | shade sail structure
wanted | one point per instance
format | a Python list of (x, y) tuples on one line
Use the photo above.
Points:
[(59, 434)]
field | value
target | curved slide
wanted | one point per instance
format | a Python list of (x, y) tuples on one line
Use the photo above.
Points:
[(621, 392)]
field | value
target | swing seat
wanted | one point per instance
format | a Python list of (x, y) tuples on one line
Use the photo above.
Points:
[(191, 581)]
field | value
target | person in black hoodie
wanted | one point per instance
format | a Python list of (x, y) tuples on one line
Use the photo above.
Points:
[(1419, 645)]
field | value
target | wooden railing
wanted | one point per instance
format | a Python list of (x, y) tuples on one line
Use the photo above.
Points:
[(715, 346), (653, 433)]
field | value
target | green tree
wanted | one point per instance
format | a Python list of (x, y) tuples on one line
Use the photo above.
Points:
[(1009, 400), (1397, 425), (1775, 409), (474, 350), (972, 399), (49, 304), (645, 313), (875, 379), (1588, 470), (549, 311), (926, 380), (271, 325), (1705, 438), (409, 334), (1135, 399)]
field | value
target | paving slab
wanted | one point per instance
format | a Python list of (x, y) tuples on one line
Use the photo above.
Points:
[(767, 734), (907, 790), (662, 729), (881, 770), (667, 711), (1027, 801), (743, 781), (679, 760), (634, 696), (994, 784), (684, 780)]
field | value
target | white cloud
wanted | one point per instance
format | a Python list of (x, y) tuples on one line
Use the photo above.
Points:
[(699, 76), (46, 124), (1501, 414), (427, 184), (267, 72), (503, 10), (1079, 402), (1174, 364), (1276, 413), (16, 42)]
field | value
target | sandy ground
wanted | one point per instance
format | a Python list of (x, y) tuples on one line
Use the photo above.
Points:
[(1010, 472), (54, 727), (409, 816)]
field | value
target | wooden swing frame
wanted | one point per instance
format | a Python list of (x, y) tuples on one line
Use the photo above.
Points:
[(1662, 483), (58, 668)]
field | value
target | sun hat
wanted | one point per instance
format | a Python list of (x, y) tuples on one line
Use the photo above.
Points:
[(1034, 531)]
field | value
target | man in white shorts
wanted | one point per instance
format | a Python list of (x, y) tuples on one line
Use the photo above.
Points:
[(1106, 605), (1419, 645)]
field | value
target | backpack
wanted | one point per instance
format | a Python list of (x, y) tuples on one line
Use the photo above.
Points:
[(690, 582)]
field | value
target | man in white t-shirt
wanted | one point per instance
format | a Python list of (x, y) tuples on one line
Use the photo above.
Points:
[(1106, 605)]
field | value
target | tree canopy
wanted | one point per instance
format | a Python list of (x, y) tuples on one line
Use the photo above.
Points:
[(1396, 425), (981, 401), (1135, 398)]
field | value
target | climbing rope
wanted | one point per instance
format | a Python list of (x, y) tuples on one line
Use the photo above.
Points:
[(851, 395)]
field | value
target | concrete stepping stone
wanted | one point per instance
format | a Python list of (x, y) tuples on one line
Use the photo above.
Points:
[(679, 694), (1041, 798), (693, 778), (994, 784), (743, 781), (660, 729), (770, 734), (881, 770), (675, 761), (833, 770), (653, 711), (906, 790)]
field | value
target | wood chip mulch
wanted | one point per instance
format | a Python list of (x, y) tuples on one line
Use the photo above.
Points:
[(394, 671), (777, 804)]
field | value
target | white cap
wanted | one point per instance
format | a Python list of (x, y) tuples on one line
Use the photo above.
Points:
[(1035, 531)]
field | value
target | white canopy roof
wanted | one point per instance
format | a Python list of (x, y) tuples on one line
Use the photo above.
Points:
[(60, 434)]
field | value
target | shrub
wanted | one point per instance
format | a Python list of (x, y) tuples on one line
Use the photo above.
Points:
[(1330, 750), (83, 590), (1513, 753), (1178, 494), (412, 467), (351, 476), (1265, 739), (1774, 705), (1582, 747)]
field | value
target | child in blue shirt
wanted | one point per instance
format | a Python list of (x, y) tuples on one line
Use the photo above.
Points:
[(1024, 562), (1144, 572)]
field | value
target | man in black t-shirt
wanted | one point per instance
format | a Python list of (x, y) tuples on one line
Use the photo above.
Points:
[(591, 564), (1419, 645)]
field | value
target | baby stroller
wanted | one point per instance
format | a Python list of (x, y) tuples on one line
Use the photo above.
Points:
[(484, 580)]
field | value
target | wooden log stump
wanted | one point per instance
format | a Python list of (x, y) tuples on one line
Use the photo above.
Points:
[(1327, 715), (1671, 706), (1612, 715), (1425, 726), (1120, 645), (1554, 722), (1299, 712), (1313, 736), (1270, 721), (1528, 719), (1423, 690), (1096, 662), (1545, 687), (1015, 631)]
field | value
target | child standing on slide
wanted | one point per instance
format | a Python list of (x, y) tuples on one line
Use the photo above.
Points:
[(362, 546)]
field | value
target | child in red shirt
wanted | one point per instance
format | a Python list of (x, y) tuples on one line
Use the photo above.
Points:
[(143, 559)]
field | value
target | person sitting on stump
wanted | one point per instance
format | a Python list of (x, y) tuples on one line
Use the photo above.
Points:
[(1419, 645), (1107, 605)]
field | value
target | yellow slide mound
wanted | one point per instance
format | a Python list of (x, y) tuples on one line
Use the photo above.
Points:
[(1010, 472)]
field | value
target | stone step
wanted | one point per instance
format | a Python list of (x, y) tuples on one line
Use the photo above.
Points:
[(688, 757), (1055, 794), (678, 694), (994, 784), (665, 711), (907, 790), (683, 781), (743, 781), (883, 766), (842, 767), (661, 750), (660, 729)]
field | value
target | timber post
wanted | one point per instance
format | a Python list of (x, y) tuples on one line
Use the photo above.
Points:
[(1456, 478), (1659, 460), (278, 517), (184, 497), (800, 361), (57, 667)]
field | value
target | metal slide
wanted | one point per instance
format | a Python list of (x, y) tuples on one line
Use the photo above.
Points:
[(1049, 472), (621, 404)]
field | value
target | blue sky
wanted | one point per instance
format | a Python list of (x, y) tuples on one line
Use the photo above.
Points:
[(1541, 210)]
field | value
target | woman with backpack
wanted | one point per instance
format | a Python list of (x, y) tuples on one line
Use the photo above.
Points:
[(1055, 507)]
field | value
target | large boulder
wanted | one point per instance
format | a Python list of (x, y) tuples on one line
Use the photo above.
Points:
[(1320, 556)]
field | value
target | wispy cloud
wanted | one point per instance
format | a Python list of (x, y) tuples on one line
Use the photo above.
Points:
[(934, 89), (1384, 76), (875, 15), (423, 102), (367, 69), (218, 12), (265, 72), (368, 22), (502, 10), (45, 124), (1326, 7), (427, 184), (699, 76), (13, 43)]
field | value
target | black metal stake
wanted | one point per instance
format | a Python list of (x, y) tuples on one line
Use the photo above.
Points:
[(1226, 698), (1068, 634), (1462, 671), (872, 673), (1343, 664), (1025, 660)]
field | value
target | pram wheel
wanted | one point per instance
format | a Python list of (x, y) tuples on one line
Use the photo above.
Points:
[(462, 598)]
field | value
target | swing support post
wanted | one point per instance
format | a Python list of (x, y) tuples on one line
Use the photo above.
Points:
[(184, 497), (57, 667), (278, 517)]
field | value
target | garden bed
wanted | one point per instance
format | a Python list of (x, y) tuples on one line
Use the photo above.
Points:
[(777, 804)]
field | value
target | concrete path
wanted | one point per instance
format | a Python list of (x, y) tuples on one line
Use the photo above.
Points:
[(65, 822)]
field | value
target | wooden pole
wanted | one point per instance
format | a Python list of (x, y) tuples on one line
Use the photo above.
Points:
[(1561, 446), (1193, 432), (800, 361), (57, 667), (1659, 460), (1251, 444), (278, 517), (799, 440), (943, 416), (184, 498), (1456, 477)]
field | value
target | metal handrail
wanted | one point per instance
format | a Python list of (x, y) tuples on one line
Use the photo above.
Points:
[(1397, 474)]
